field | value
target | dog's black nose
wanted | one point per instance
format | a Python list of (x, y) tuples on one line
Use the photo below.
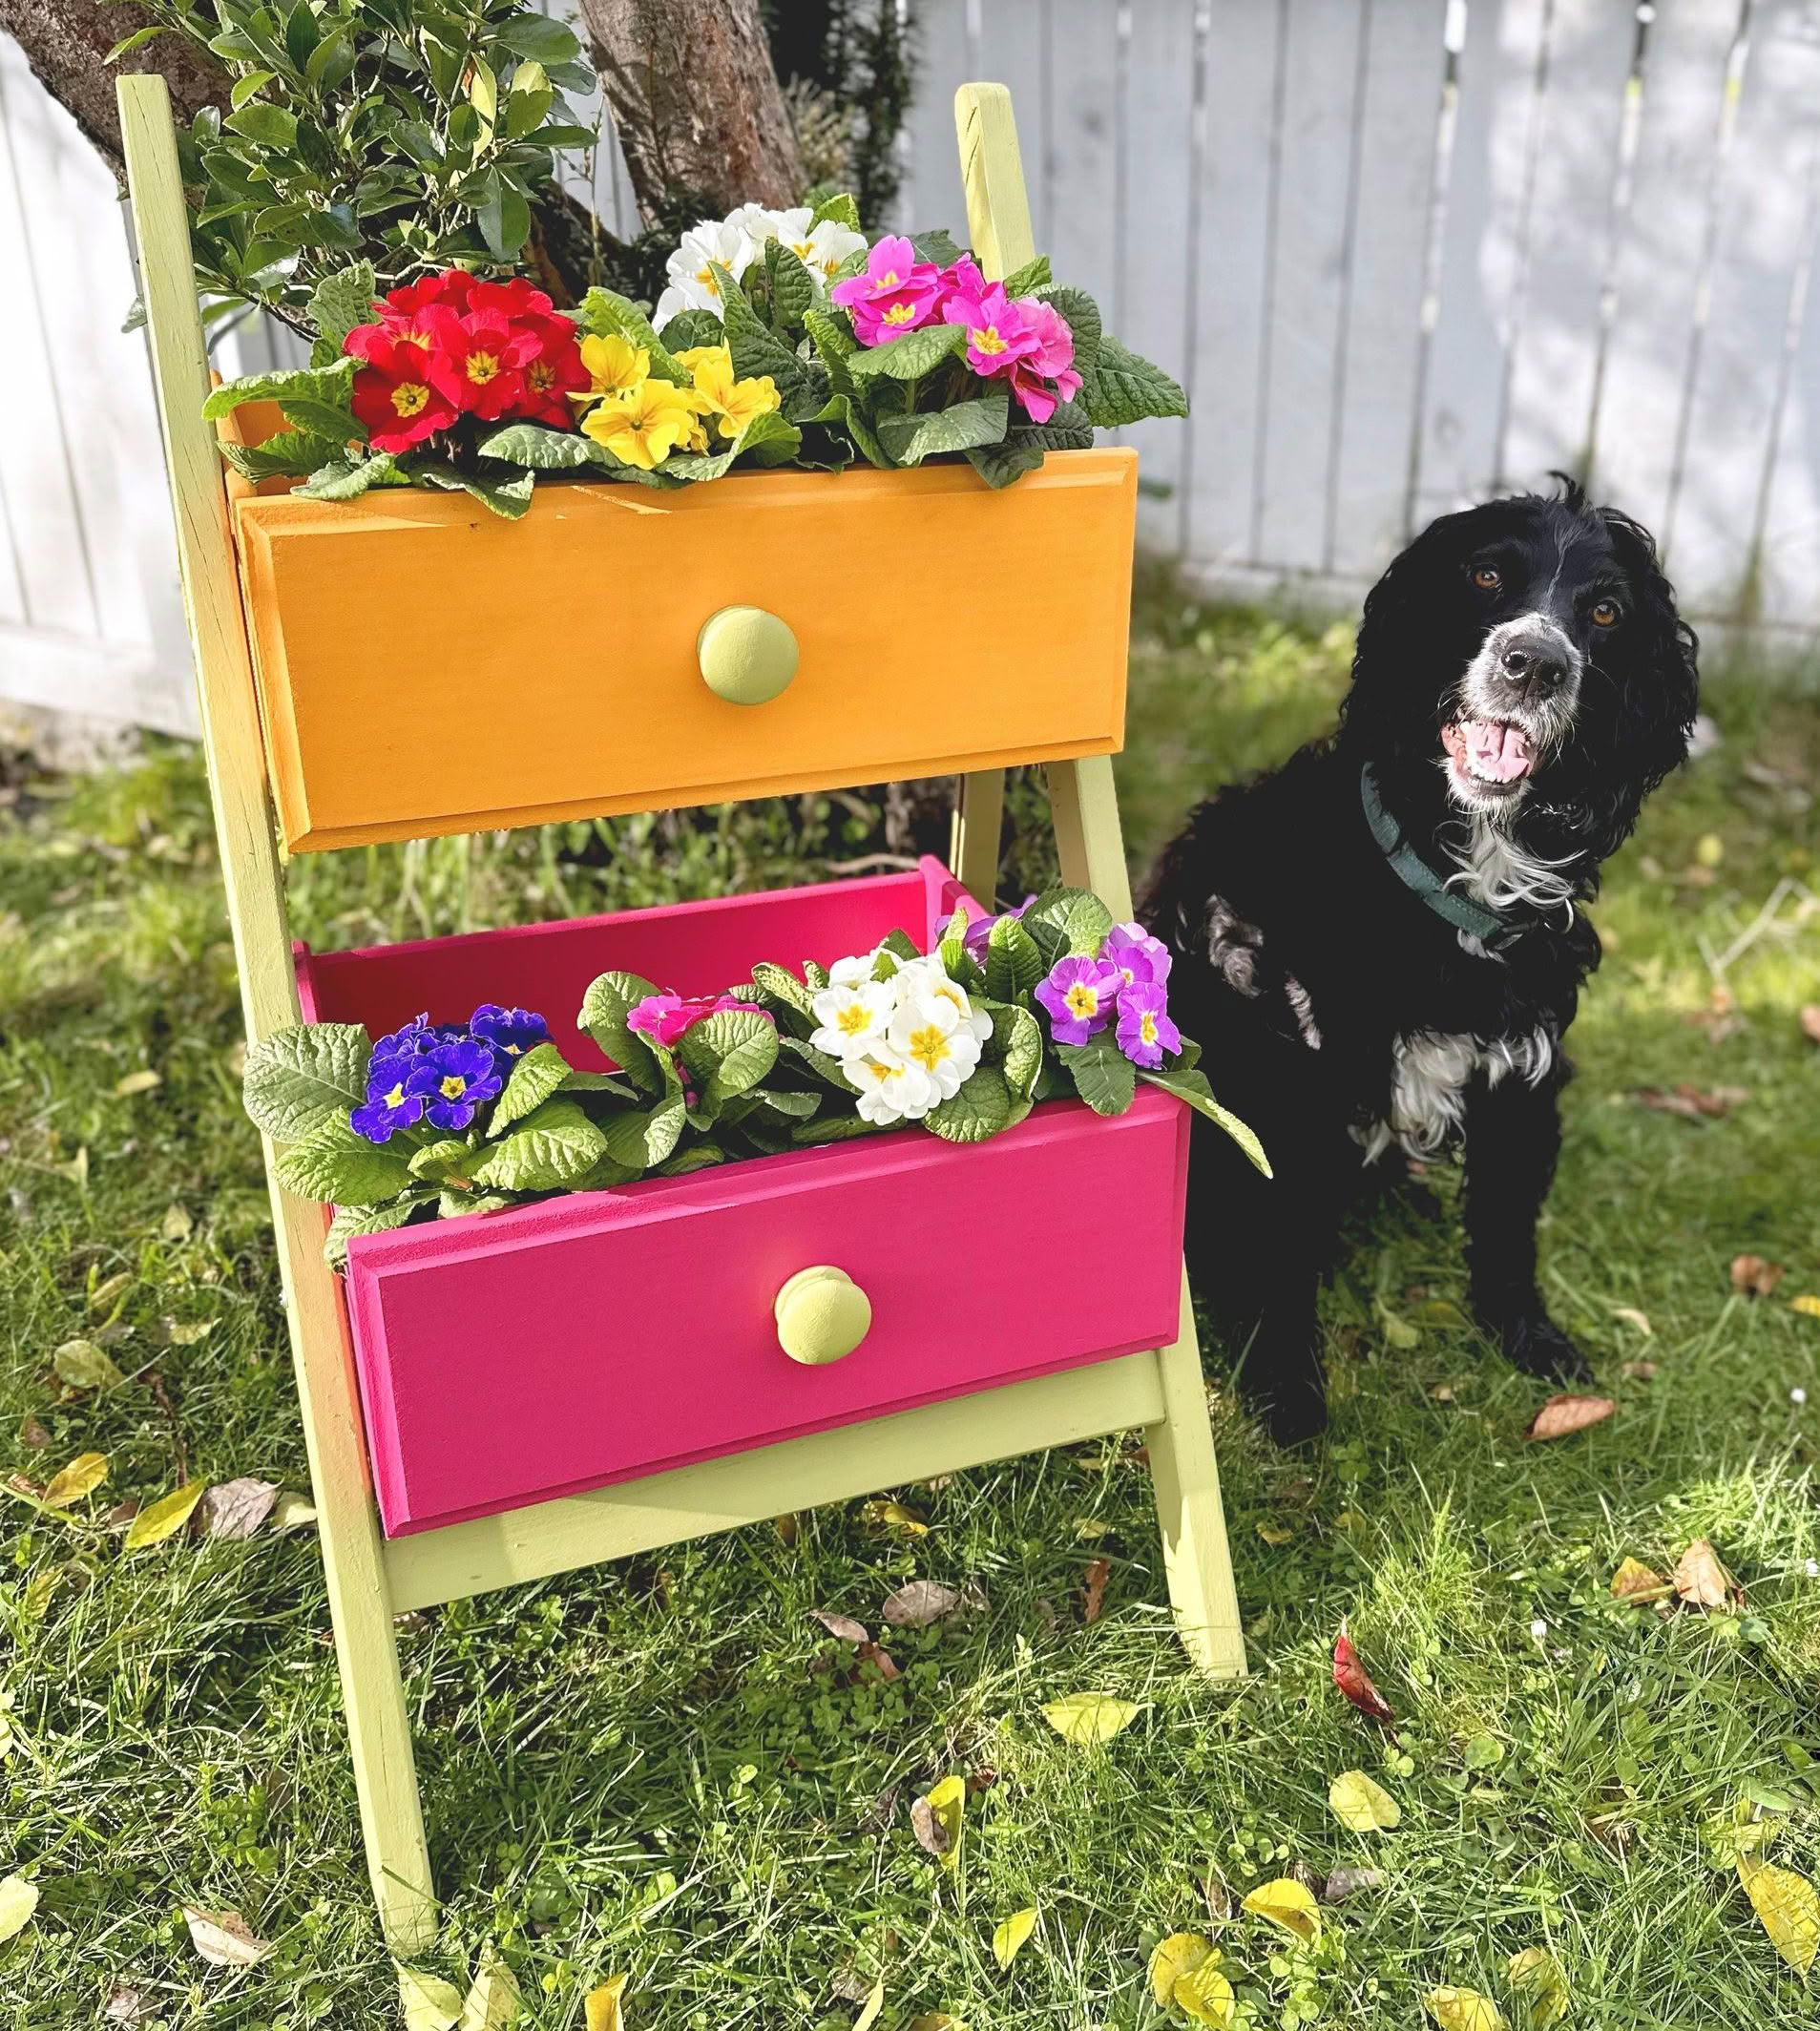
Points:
[(1535, 664)]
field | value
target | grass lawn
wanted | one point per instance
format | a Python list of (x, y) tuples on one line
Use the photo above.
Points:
[(669, 1768)]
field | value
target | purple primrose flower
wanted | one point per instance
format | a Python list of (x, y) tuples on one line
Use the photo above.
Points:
[(1144, 1031), (389, 1106), (1080, 994), (1138, 957), (512, 1031), (978, 934), (455, 1078)]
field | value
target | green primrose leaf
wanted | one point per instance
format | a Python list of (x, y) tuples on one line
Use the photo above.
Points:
[(1103, 1076), (938, 245), (349, 1220), (538, 1074), (1192, 1087), (1067, 921), (340, 1167), (605, 314), (287, 453), (835, 1128), (544, 450), (604, 1008), (981, 1108), (1033, 276), (452, 1157), (910, 358), (840, 207), (1082, 316), (780, 984), (1018, 1037), (1013, 965), (729, 1052), (1122, 387), (333, 386), (346, 479), (962, 426), (302, 1079), (339, 303), (553, 1146), (646, 1138)]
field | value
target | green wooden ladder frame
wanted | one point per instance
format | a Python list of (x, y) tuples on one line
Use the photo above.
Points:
[(371, 1579)]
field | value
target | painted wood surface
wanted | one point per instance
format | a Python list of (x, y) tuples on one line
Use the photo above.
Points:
[(1023, 663)]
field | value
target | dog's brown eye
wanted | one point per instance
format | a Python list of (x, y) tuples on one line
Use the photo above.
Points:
[(1605, 614), (1487, 579)]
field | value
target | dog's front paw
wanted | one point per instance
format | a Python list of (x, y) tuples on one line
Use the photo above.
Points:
[(1532, 1342)]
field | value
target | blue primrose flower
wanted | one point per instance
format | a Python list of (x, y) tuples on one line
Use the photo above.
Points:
[(456, 1079), (389, 1107), (395, 1054), (510, 1030)]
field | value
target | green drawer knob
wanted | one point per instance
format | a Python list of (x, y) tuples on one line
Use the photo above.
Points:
[(822, 1316), (747, 655)]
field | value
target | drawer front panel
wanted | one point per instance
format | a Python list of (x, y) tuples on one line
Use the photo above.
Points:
[(426, 667), (593, 1339)]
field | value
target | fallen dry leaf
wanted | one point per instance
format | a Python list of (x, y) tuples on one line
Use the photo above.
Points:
[(34, 1435), (429, 2003), (788, 1527), (1690, 1103), (1009, 1933), (1808, 1305), (178, 1334), (1344, 1883), (936, 1819), (880, 1659), (1353, 1679), (82, 1366), (1631, 1316), (1810, 1022), (842, 1626), (1639, 1372), (493, 1999), (1463, 2010), (870, 2008), (918, 1603), (1634, 1581), (83, 1476), (124, 2006), (104, 1293), (18, 1901), (177, 1223), (1719, 1019), (1084, 1718), (236, 1509), (1755, 1275), (223, 1937), (1563, 1415), (1093, 1596), (602, 2010), (1275, 1535), (1535, 1974), (292, 1511), (1360, 1803), (164, 1518), (1172, 1958), (1702, 1581), (142, 1081), (1205, 1995), (895, 1516), (1789, 1907), (1289, 1904)]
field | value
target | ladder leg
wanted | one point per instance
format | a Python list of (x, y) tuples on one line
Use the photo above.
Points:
[(978, 817), (1195, 1555), (1186, 1475)]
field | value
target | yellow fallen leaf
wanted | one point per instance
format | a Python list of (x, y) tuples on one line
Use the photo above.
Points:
[(105, 1292), (1463, 2010), (936, 1819), (893, 1515), (1540, 1986), (871, 2008), (165, 1517), (292, 1511), (1808, 1304), (83, 1476), (1631, 1316), (1205, 1995), (1397, 1332), (1009, 1933), (936, 2020), (1289, 1904), (1361, 1804), (83, 1365), (1172, 1958), (140, 1081), (602, 2009), (1709, 850), (494, 2000), (1702, 1581), (18, 1901), (429, 2003), (1274, 1534), (1634, 1581), (223, 1937), (1789, 1906), (177, 1223), (1083, 1718)]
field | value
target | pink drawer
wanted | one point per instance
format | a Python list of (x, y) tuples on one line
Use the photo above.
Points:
[(520, 1356)]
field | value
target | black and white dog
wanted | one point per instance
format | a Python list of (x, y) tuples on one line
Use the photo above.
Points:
[(1378, 943)]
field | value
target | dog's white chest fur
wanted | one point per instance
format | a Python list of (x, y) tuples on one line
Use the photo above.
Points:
[(1429, 1079)]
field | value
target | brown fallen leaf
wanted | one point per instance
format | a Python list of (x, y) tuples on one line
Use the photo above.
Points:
[(1634, 1581), (1756, 1275), (1344, 1883), (123, 1513), (1093, 1596), (1563, 1415), (844, 1626), (880, 1659), (936, 1819), (918, 1603), (223, 1937), (1702, 1582), (236, 1509), (788, 1527), (1639, 1372), (1691, 1103), (34, 1435), (124, 2006), (1719, 1019), (1810, 1022), (1353, 1679)]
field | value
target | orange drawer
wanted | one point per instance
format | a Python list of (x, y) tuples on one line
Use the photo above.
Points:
[(426, 667)]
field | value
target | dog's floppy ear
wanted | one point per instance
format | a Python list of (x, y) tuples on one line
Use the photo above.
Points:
[(1384, 710)]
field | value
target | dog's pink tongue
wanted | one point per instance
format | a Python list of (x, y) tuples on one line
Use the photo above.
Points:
[(1498, 752)]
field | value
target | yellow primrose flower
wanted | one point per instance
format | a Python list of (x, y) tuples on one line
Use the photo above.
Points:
[(617, 364), (643, 424), (734, 401), (694, 357)]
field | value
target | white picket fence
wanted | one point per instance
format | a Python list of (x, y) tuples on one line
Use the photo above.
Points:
[(1402, 253)]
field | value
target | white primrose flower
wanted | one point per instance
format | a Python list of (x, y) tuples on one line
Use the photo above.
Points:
[(759, 222), (692, 282), (852, 1019), (853, 971), (891, 1089), (929, 977), (930, 1032), (825, 247)]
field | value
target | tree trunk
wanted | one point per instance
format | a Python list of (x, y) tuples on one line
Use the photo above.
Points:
[(65, 42), (695, 100)]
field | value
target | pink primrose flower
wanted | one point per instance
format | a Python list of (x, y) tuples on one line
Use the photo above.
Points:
[(895, 294)]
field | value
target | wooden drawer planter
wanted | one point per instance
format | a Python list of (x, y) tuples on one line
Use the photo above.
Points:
[(604, 1335), (424, 666)]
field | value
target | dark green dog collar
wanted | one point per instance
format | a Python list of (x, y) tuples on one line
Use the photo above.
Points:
[(1419, 877)]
